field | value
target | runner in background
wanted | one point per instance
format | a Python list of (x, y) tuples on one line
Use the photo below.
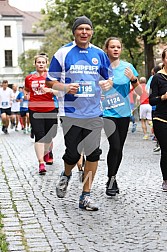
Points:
[(42, 111), (6, 103), (15, 109), (117, 109)]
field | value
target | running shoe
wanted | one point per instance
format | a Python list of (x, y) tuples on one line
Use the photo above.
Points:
[(156, 149), (32, 134), (164, 186), (146, 137), (61, 188), (154, 138), (16, 129), (86, 203), (6, 131), (42, 169), (3, 128), (112, 187), (28, 129), (12, 125), (48, 159), (134, 127)]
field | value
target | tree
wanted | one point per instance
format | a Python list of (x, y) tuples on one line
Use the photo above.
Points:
[(54, 38), (137, 22), (26, 60)]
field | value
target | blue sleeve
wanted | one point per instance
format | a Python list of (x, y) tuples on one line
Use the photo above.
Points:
[(106, 71), (55, 70), (149, 83), (18, 97)]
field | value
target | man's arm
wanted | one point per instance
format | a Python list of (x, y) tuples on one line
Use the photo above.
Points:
[(71, 88)]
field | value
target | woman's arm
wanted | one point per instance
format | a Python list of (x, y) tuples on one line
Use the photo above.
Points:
[(154, 97)]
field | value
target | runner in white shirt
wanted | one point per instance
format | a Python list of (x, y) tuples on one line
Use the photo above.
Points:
[(15, 109), (6, 102)]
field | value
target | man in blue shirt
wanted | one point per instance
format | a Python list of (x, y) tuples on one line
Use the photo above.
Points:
[(80, 71)]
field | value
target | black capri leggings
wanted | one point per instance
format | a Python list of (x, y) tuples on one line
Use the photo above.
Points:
[(44, 125), (116, 131), (160, 131), (79, 135)]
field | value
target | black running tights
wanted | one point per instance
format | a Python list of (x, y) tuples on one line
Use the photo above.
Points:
[(116, 139)]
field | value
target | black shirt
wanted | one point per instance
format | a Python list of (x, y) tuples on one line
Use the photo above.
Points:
[(158, 87)]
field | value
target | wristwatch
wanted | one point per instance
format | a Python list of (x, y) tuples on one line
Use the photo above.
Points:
[(134, 81)]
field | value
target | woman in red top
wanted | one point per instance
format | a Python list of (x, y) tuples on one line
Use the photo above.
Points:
[(42, 111)]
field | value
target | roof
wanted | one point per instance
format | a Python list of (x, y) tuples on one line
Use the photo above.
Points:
[(7, 10), (30, 19)]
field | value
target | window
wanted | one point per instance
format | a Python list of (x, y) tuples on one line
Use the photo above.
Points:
[(8, 58), (7, 31)]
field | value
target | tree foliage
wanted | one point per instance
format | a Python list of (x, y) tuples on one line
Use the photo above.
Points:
[(54, 38), (141, 23), (26, 61)]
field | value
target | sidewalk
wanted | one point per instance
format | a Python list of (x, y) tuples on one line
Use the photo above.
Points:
[(37, 221)]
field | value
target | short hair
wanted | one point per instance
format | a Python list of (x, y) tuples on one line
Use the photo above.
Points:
[(4, 81), (142, 80), (156, 69)]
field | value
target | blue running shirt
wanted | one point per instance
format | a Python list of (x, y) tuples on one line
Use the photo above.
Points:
[(71, 64), (115, 102)]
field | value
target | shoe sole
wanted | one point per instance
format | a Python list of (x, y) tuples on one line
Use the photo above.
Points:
[(58, 195), (42, 173), (112, 194), (49, 163), (88, 208)]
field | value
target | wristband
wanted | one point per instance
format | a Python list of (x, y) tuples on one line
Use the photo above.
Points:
[(134, 81)]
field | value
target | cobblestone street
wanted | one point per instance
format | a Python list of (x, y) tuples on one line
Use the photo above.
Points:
[(37, 221)]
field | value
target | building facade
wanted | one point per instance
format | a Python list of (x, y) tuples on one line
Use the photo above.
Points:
[(18, 34)]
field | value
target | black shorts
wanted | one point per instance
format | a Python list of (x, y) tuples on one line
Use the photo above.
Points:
[(44, 125), (24, 113), (6, 111), (15, 112)]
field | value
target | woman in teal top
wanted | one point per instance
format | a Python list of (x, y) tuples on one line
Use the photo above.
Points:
[(117, 110)]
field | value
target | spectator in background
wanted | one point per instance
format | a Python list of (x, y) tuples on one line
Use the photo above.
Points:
[(145, 110)]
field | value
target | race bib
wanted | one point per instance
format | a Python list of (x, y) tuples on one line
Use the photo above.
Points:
[(112, 101), (4, 104), (86, 89), (24, 104)]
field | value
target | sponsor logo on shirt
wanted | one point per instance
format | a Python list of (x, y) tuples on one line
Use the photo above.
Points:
[(95, 61), (83, 51)]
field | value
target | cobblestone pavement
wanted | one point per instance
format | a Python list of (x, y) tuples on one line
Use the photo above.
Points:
[(37, 221)]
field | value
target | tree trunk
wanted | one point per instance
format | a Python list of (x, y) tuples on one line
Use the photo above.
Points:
[(149, 58)]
